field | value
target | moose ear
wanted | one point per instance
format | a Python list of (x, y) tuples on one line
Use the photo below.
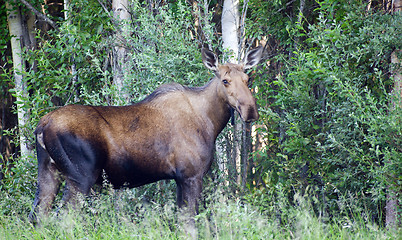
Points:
[(209, 59), (253, 57)]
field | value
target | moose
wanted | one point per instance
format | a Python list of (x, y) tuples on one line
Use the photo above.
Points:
[(169, 135)]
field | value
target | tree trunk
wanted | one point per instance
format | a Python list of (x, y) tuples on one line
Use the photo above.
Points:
[(246, 147), (16, 33), (203, 30), (121, 15), (396, 6), (230, 27), (391, 207)]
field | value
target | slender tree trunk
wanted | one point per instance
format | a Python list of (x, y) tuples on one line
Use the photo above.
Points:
[(203, 28), (16, 33), (230, 28), (121, 15), (246, 147), (245, 161), (301, 10), (391, 207), (231, 34)]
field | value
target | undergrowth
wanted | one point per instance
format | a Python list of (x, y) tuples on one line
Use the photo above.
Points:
[(128, 214)]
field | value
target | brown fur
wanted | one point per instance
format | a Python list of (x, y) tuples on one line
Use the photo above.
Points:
[(169, 135)]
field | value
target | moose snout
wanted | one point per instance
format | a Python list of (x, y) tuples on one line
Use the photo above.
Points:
[(248, 112), (252, 114)]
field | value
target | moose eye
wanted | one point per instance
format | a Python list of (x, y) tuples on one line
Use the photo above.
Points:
[(225, 81)]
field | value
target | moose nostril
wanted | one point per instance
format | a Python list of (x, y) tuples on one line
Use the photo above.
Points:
[(252, 114)]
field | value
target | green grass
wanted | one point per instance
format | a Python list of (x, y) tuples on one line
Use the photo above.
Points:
[(122, 216)]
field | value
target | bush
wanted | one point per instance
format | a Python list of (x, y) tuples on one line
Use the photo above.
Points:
[(333, 131)]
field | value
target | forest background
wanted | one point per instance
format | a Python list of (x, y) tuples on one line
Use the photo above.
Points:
[(325, 152)]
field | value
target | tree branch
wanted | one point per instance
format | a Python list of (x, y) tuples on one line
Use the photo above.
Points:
[(104, 8), (39, 14)]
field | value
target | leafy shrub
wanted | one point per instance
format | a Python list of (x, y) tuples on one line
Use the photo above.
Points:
[(335, 131)]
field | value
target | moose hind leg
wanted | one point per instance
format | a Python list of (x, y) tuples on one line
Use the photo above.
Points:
[(48, 185), (72, 192), (81, 164)]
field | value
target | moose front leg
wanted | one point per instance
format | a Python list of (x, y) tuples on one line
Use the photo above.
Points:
[(188, 195)]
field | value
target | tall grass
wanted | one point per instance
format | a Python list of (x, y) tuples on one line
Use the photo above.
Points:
[(122, 216)]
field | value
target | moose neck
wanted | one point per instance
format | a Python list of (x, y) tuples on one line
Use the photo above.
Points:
[(215, 108)]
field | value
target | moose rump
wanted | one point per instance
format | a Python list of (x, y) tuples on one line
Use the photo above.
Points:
[(169, 135)]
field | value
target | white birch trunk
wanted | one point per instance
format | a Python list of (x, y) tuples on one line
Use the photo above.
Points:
[(66, 5), (121, 15), (230, 27), (16, 33), (230, 37)]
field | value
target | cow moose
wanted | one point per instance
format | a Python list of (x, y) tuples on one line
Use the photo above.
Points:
[(169, 135)]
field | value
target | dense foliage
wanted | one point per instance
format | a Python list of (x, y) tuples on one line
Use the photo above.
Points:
[(332, 129), (328, 138)]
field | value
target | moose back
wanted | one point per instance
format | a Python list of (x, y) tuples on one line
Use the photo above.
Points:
[(169, 135)]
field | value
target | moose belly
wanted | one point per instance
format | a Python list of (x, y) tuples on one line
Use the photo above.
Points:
[(134, 172)]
